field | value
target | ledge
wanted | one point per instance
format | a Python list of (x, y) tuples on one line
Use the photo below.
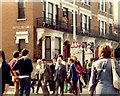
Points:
[(23, 19)]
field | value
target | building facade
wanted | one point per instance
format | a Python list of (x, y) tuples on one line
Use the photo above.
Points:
[(46, 27)]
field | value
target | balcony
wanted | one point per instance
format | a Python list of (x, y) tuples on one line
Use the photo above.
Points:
[(54, 24), (68, 27)]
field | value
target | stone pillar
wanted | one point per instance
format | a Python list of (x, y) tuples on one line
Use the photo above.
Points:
[(43, 47), (52, 47)]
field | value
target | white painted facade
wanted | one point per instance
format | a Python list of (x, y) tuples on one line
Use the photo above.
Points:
[(52, 33)]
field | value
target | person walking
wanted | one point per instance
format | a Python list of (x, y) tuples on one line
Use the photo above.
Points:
[(25, 67), (52, 82), (4, 74), (73, 77), (37, 73), (12, 63), (46, 76), (101, 81), (60, 77)]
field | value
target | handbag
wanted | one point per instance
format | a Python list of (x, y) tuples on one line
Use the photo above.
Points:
[(116, 78)]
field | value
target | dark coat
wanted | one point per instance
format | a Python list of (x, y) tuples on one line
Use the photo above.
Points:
[(6, 78), (63, 73), (47, 75), (24, 65)]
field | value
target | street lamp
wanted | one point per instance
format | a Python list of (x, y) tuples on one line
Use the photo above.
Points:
[(74, 25)]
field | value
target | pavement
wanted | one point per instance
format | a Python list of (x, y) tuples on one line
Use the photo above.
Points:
[(11, 92)]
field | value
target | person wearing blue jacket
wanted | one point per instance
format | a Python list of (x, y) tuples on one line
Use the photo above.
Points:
[(73, 76)]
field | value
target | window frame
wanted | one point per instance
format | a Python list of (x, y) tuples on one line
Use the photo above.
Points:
[(59, 50), (21, 43), (47, 48), (21, 9)]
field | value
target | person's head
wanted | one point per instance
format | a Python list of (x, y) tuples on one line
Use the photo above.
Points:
[(39, 61), (54, 60), (44, 61), (86, 61), (61, 56), (74, 58), (2, 55), (59, 60), (92, 60), (104, 51), (25, 52), (71, 61), (16, 54)]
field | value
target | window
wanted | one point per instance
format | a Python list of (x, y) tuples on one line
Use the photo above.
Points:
[(110, 28), (81, 21), (21, 9), (89, 23), (102, 31), (57, 46), (65, 12), (50, 12), (102, 5), (56, 14), (110, 7), (21, 44), (48, 47), (105, 6), (99, 26), (44, 10), (105, 28), (85, 22)]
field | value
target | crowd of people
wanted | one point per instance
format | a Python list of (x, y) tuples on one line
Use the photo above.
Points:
[(70, 76)]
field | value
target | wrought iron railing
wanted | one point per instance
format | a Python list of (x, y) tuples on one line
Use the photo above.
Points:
[(68, 27)]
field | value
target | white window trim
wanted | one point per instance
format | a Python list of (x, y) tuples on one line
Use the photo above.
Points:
[(102, 18), (102, 27), (101, 6), (22, 35), (86, 12), (22, 19)]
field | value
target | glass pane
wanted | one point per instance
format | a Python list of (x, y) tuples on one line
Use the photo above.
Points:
[(21, 44), (57, 43), (50, 8), (57, 52), (48, 43), (47, 54)]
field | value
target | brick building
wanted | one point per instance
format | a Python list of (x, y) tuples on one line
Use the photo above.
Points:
[(46, 27)]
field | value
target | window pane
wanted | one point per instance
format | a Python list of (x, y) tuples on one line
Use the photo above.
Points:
[(57, 52), (21, 9), (48, 41), (21, 44), (50, 8), (47, 54)]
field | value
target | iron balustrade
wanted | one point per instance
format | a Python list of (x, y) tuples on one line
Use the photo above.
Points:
[(68, 27)]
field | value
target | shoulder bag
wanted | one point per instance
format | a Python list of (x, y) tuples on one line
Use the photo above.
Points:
[(116, 78)]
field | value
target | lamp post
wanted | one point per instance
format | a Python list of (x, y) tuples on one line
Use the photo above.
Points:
[(74, 25)]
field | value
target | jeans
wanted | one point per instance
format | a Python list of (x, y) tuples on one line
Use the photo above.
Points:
[(25, 86)]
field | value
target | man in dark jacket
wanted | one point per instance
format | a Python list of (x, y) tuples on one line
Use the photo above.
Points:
[(24, 65), (4, 74)]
